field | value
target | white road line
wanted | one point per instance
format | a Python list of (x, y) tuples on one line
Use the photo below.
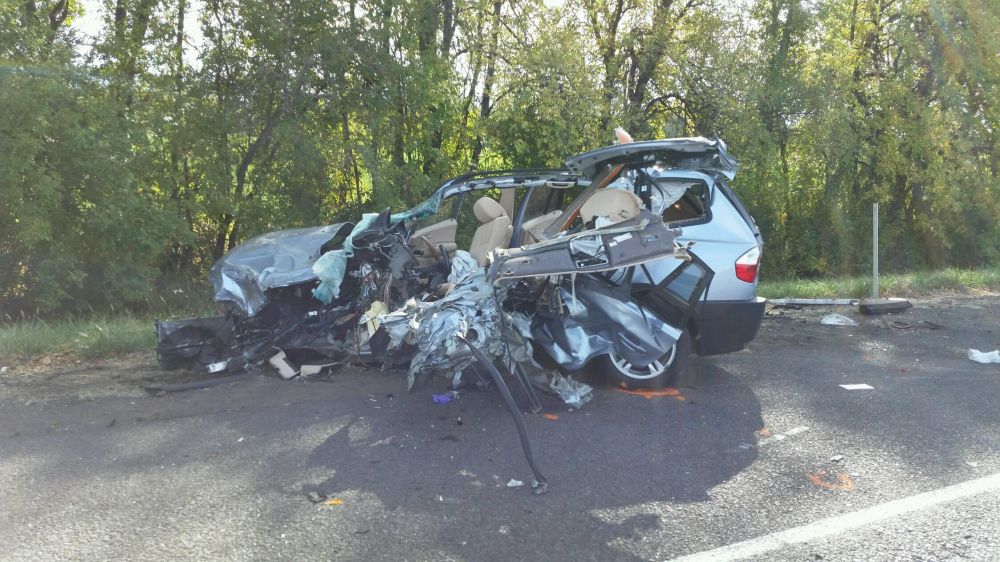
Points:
[(841, 523)]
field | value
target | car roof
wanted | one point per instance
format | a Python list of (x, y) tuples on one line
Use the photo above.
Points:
[(688, 153)]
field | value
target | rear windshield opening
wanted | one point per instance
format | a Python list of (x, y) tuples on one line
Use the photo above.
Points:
[(680, 200)]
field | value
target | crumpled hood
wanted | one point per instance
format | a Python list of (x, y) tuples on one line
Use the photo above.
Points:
[(694, 153), (275, 259)]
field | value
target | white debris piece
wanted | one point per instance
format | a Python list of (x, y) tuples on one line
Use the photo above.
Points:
[(782, 436), (513, 483), (837, 320), (985, 357), (213, 367), (857, 387), (280, 362)]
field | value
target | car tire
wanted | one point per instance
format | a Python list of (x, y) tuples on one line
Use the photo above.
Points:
[(674, 367)]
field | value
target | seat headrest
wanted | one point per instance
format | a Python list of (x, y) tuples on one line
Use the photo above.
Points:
[(487, 209), (616, 204)]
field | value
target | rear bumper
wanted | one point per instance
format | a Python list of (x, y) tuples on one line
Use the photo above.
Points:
[(726, 326)]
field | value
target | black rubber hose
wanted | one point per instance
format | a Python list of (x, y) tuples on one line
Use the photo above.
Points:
[(540, 485)]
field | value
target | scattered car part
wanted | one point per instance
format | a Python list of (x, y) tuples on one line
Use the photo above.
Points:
[(837, 320), (813, 302), (874, 307), (984, 357)]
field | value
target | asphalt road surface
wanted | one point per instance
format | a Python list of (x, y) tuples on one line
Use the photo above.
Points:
[(765, 457)]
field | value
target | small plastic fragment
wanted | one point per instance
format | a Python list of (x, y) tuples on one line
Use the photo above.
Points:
[(551, 417), (513, 483), (837, 458), (857, 387), (837, 320), (984, 357), (442, 398), (214, 367), (280, 362), (315, 497), (334, 501)]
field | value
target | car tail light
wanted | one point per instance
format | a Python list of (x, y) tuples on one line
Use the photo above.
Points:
[(747, 264)]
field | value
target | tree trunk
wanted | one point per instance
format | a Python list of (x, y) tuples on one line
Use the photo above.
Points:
[(485, 102)]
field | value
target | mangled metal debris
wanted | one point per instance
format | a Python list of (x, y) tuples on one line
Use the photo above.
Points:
[(384, 290)]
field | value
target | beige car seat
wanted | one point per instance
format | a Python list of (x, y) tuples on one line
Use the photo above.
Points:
[(494, 229), (616, 204)]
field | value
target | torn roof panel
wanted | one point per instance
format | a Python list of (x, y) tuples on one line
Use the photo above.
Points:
[(693, 153)]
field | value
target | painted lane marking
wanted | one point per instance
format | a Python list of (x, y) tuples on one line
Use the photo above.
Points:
[(841, 523)]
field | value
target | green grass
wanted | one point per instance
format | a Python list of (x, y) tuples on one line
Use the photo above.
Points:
[(89, 339), (890, 285)]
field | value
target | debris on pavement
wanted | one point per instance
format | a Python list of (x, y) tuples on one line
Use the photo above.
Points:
[(874, 307), (442, 398), (857, 387), (573, 393), (984, 357), (822, 479), (513, 483), (813, 302), (334, 501), (306, 371), (315, 497), (837, 458), (837, 320), (649, 393), (280, 362), (768, 439), (550, 417)]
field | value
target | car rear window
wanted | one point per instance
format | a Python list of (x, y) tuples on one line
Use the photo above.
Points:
[(692, 205)]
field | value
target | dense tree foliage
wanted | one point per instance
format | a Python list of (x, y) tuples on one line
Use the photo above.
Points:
[(133, 158)]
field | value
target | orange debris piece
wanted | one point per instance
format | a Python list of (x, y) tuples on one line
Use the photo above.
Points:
[(819, 478), (649, 393)]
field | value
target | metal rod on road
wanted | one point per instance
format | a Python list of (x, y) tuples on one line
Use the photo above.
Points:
[(875, 250)]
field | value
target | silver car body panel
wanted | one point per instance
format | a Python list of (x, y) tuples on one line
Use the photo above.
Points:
[(693, 153)]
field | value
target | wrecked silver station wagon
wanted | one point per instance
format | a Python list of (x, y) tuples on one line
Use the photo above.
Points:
[(561, 276), (554, 273)]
